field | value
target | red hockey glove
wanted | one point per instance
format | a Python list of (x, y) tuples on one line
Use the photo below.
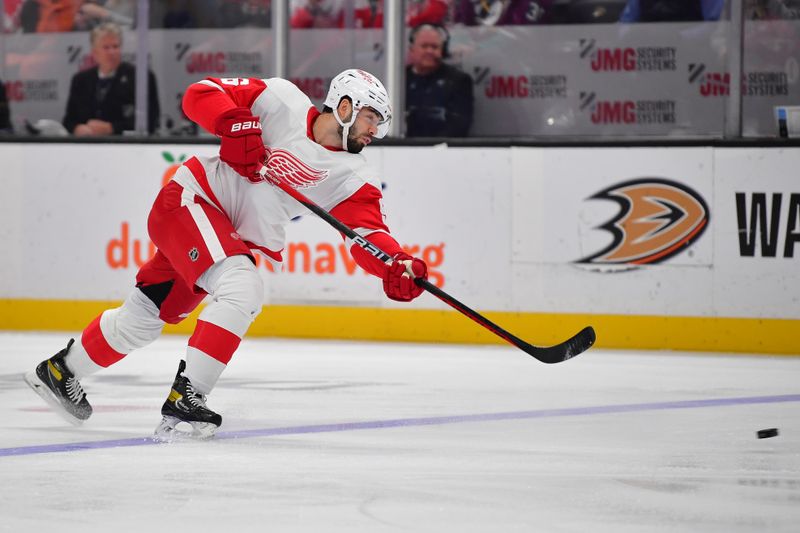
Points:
[(241, 144), (398, 284)]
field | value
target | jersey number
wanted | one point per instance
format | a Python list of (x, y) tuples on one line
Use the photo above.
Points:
[(234, 81)]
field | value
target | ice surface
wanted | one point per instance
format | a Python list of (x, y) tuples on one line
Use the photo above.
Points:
[(345, 436)]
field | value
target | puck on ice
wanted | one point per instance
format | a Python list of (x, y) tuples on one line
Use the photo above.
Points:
[(767, 433)]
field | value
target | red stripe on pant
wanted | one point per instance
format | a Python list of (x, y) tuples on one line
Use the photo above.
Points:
[(97, 347), (214, 341)]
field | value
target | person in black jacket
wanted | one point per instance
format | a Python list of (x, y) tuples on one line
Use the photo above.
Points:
[(5, 113), (439, 99), (671, 10), (102, 99)]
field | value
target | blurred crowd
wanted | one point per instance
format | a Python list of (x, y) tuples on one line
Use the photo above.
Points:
[(29, 16), (78, 15), (369, 13), (439, 95)]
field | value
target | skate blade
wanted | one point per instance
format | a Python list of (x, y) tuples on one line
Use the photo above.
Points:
[(172, 429), (33, 381)]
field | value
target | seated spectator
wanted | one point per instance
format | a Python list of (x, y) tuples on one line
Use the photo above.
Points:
[(438, 96), (366, 13), (210, 13), (10, 14), (420, 12), (587, 11), (28, 13), (49, 15), (671, 10), (431, 12), (503, 12), (58, 15), (95, 12), (242, 13), (101, 99), (772, 9), (317, 14), (5, 112), (173, 14)]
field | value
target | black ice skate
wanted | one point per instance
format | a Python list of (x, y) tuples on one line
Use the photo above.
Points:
[(54, 382), (185, 405)]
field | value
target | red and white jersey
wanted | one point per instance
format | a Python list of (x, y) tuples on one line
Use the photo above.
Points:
[(336, 180)]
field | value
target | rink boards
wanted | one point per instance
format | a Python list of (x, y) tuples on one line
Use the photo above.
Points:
[(673, 248)]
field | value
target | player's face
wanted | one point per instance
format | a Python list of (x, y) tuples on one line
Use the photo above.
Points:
[(363, 130), (107, 51)]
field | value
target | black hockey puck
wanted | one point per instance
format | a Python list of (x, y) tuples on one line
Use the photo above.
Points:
[(767, 433)]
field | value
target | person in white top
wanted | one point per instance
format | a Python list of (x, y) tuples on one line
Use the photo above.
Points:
[(217, 212)]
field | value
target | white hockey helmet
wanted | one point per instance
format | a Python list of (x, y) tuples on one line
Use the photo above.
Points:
[(364, 90)]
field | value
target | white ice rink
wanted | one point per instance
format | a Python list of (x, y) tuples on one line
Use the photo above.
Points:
[(341, 436)]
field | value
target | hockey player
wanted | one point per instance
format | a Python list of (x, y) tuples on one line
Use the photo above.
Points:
[(216, 212)]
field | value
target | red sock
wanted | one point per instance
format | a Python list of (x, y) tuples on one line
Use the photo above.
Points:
[(215, 341), (97, 347)]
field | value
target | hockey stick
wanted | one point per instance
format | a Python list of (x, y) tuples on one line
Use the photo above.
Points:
[(573, 346)]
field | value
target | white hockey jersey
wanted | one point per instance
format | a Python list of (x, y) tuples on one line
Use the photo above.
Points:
[(338, 181)]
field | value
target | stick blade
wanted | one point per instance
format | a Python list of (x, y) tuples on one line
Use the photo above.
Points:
[(568, 349)]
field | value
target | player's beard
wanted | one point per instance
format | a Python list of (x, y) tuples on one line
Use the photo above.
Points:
[(354, 146)]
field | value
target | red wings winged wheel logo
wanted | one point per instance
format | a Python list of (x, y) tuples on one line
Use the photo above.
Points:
[(285, 167)]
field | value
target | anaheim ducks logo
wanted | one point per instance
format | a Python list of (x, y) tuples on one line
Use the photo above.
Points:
[(285, 167), (658, 218)]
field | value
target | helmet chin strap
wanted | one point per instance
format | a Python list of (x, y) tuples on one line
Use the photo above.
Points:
[(345, 125)]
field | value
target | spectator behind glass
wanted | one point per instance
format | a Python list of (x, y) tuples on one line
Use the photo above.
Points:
[(417, 12), (5, 112), (366, 13), (317, 14), (671, 10), (438, 96), (210, 13), (49, 15), (502, 12), (772, 9), (10, 14), (101, 98), (174, 14), (95, 12), (241, 13)]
